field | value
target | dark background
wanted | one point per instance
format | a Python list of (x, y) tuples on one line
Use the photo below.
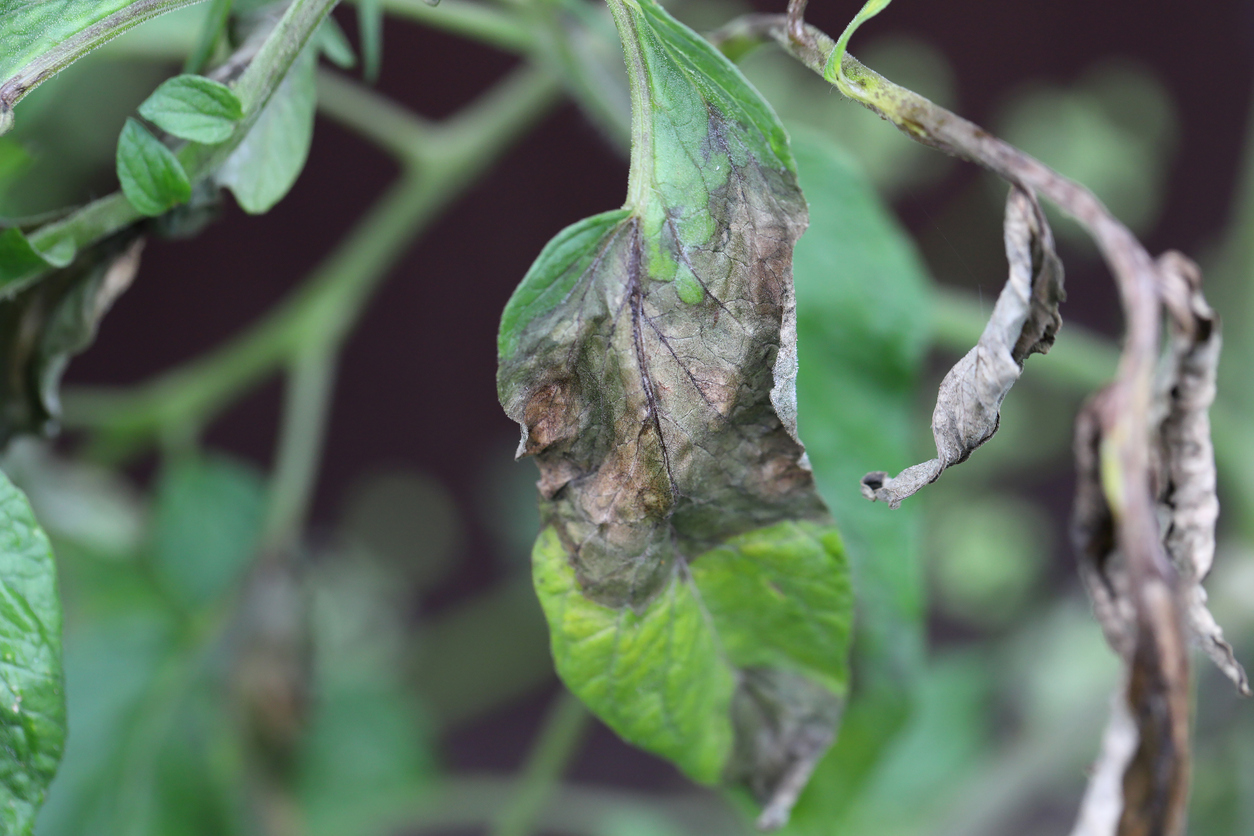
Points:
[(416, 384)]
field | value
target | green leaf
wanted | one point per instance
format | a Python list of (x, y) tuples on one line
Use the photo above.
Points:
[(760, 623), (863, 311), (42, 326), (333, 43), (649, 357), (194, 108), (152, 178), (266, 164), (39, 39), (32, 691), (207, 519), (20, 262), (833, 72)]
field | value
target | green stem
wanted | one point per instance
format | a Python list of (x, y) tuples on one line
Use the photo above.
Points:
[(374, 117), (559, 741), (76, 46), (310, 384), (210, 34), (265, 72), (322, 311), (469, 20), (638, 177)]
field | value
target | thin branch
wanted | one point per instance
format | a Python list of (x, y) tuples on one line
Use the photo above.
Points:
[(558, 741), (324, 308)]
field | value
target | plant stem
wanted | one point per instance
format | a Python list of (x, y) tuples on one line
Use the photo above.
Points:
[(469, 20), (265, 72), (441, 163), (559, 740), (310, 384)]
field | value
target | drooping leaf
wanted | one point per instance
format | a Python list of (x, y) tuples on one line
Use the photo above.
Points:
[(44, 325), (862, 330), (1024, 322), (1188, 495), (194, 108), (266, 164), (152, 178), (207, 518), (32, 689), (649, 356)]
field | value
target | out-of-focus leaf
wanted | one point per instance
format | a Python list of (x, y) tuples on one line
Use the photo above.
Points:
[(153, 744), (649, 356), (32, 687), (44, 325), (1024, 322), (194, 108), (77, 501), (862, 331), (152, 178), (266, 164), (206, 521), (1114, 131), (334, 44), (20, 261), (409, 521)]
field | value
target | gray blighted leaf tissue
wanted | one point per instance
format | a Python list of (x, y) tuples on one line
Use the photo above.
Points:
[(1024, 322)]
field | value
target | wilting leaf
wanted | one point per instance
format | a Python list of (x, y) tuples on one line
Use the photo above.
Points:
[(32, 691), (1145, 609), (1187, 458), (44, 325), (1024, 322), (194, 108), (152, 178), (266, 164), (207, 518), (649, 357)]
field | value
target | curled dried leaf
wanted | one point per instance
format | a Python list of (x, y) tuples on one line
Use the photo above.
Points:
[(1024, 322), (1187, 499)]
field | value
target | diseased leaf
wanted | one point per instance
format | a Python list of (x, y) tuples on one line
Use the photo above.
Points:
[(194, 108), (152, 178), (649, 356), (32, 690), (266, 164), (1024, 322), (1145, 614), (44, 325), (1187, 497), (207, 518)]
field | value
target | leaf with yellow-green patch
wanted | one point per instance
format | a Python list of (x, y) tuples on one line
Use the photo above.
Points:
[(697, 596)]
